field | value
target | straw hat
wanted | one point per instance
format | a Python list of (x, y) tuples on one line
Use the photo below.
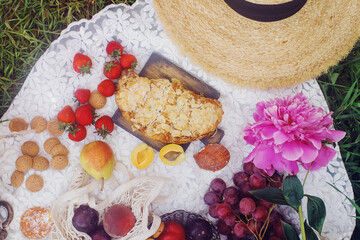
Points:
[(248, 44)]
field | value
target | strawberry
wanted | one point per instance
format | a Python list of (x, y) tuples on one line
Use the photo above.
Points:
[(128, 61), (104, 126), (77, 133), (106, 88), (82, 95), (82, 63), (66, 117), (112, 70), (114, 49), (84, 115)]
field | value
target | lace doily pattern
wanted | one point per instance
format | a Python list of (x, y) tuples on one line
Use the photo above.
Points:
[(51, 85)]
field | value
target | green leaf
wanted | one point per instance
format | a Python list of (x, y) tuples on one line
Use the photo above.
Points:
[(334, 77), (309, 232), (272, 195), (293, 191), (289, 231), (316, 212)]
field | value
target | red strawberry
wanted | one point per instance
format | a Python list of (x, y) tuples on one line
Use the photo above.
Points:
[(106, 88), (84, 115), (66, 117), (104, 126), (114, 49), (82, 95), (77, 133), (82, 63), (112, 70), (128, 61)]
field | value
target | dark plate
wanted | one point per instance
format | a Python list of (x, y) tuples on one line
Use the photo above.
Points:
[(183, 217)]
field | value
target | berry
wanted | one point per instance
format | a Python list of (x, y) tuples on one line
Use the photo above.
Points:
[(106, 88), (114, 49), (275, 180), (223, 210), (260, 214), (82, 63), (112, 70), (77, 133), (265, 203), (218, 185), (278, 230), (128, 61), (254, 226), (244, 189), (247, 206), (66, 117), (211, 198), (222, 227), (82, 95), (84, 115), (230, 195), (248, 167), (212, 210), (104, 126), (257, 181), (230, 220)]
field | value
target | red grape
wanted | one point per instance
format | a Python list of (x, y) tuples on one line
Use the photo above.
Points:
[(248, 167), (223, 210), (240, 230), (223, 228), (247, 206), (276, 181), (274, 218), (260, 214), (274, 238), (278, 230), (240, 177), (265, 203), (218, 185), (244, 189), (231, 195), (257, 181), (211, 198), (212, 211), (230, 220), (254, 226)]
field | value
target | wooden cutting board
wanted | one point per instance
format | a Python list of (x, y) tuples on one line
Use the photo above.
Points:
[(159, 67)]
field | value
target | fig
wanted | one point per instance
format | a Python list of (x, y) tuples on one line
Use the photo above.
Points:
[(85, 219), (198, 229)]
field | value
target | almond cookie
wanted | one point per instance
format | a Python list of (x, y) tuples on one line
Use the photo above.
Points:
[(97, 100), (36, 223), (40, 163), (24, 163), (59, 150), (50, 143), (59, 162), (30, 148), (34, 183), (17, 178), (17, 125), (53, 128), (38, 123)]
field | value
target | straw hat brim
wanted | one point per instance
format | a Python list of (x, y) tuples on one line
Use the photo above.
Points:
[(256, 54)]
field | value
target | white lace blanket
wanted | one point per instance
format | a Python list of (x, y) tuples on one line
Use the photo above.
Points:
[(51, 85)]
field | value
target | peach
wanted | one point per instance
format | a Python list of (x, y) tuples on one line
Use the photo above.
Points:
[(118, 220)]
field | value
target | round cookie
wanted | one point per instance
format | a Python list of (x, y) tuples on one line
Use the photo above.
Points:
[(30, 148), (38, 123), (50, 143), (36, 223), (17, 178), (34, 183), (59, 150), (97, 100), (59, 162), (40, 163), (53, 128), (17, 125), (24, 163)]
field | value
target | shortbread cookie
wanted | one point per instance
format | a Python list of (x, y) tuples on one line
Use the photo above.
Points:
[(30, 148), (59, 150), (53, 128), (39, 124), (24, 163), (34, 183), (40, 163), (59, 162), (17, 125), (17, 178), (50, 143)]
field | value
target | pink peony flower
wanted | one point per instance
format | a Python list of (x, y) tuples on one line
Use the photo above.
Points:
[(288, 132)]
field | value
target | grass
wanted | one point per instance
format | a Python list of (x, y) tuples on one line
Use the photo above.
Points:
[(27, 28)]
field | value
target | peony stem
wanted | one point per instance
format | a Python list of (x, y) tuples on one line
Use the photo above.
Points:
[(302, 226)]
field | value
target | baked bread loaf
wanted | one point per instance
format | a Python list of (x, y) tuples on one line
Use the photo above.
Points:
[(165, 110)]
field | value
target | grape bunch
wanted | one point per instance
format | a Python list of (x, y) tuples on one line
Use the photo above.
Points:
[(239, 214)]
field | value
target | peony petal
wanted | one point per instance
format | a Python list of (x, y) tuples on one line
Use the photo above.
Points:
[(268, 132), (264, 157), (326, 154), (280, 137), (316, 142), (292, 151), (310, 153), (251, 156), (336, 135)]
